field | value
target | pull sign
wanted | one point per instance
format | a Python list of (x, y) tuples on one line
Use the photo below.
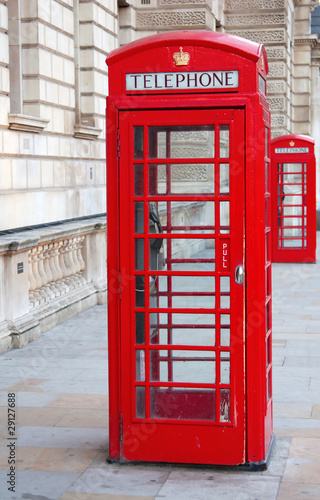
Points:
[(225, 255)]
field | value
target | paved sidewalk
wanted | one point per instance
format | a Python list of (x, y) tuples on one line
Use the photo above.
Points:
[(60, 387)]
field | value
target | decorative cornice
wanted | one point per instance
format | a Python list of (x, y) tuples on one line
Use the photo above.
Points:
[(311, 40), (85, 132), (27, 123)]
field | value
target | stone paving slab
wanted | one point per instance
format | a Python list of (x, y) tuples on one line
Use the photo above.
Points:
[(60, 382)]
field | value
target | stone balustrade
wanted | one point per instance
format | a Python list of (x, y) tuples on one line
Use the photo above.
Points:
[(47, 275)]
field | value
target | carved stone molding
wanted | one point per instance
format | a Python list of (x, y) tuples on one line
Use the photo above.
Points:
[(262, 36), (275, 87), (84, 132), (182, 2), (277, 103), (277, 70), (254, 19), (254, 4), (311, 40), (278, 120), (174, 19), (276, 53)]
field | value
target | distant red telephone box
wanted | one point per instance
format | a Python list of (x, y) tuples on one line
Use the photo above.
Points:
[(189, 250), (293, 199)]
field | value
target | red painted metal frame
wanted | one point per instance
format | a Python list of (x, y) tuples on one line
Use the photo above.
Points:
[(250, 60), (198, 433), (307, 252)]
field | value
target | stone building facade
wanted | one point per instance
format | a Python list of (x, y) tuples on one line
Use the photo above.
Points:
[(53, 83)]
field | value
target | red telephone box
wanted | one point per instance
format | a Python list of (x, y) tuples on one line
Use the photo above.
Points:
[(188, 250), (293, 191)]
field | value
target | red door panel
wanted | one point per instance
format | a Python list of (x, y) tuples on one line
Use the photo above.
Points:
[(182, 310)]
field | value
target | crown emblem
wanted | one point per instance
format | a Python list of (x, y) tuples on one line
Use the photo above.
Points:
[(291, 143), (181, 58)]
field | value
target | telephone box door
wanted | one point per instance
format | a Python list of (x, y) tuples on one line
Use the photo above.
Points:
[(182, 352)]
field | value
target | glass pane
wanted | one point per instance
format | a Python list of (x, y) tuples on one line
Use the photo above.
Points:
[(140, 402), (181, 179), (224, 178), (187, 216), (138, 142), (138, 180), (185, 292), (225, 367), (181, 142), (292, 167), (182, 403), (183, 254), (224, 141), (224, 405), (224, 217), (138, 217), (292, 200), (183, 366), (139, 254), (292, 243), (185, 336), (140, 365), (224, 292), (297, 211), (139, 289), (225, 330), (140, 328)]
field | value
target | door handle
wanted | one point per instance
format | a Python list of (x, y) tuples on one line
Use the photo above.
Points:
[(239, 275)]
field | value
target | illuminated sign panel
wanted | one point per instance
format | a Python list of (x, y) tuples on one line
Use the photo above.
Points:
[(183, 81)]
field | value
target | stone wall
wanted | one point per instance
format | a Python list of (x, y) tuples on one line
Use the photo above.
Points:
[(53, 85)]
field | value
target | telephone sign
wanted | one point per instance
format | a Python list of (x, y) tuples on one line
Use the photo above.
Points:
[(189, 242)]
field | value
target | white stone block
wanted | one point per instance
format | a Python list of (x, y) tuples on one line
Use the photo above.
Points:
[(26, 144), (63, 43), (301, 85), (68, 71), (86, 35), (86, 11), (4, 52), (47, 173), (44, 10), (29, 8), (3, 17), (5, 173), (65, 147), (58, 124), (29, 33), (57, 67), (59, 173), (100, 168), (53, 146), (19, 173), (34, 174), (63, 95), (68, 21), (52, 93), (30, 89), (69, 121), (10, 142), (46, 63), (41, 34), (56, 14), (81, 173), (40, 145), (5, 79), (30, 61), (50, 38)]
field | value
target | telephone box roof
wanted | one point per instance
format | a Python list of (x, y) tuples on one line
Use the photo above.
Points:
[(213, 40)]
